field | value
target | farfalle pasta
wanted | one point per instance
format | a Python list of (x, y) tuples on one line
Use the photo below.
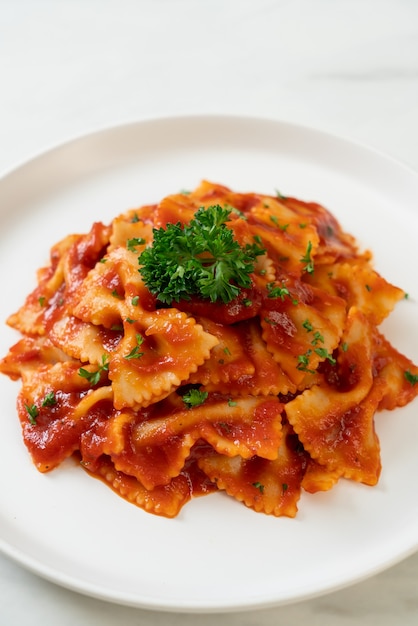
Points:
[(264, 384)]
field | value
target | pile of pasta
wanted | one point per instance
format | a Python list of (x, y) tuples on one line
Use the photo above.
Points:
[(292, 371)]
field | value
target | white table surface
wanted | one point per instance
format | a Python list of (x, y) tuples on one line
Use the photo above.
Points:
[(349, 67)]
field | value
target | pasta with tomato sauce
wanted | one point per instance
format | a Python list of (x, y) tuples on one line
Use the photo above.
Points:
[(215, 341)]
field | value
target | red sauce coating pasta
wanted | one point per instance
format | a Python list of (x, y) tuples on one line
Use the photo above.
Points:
[(264, 396)]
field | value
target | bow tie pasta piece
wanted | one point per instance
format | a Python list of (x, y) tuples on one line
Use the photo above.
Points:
[(302, 334), (247, 367), (130, 231), (165, 500), (336, 425), (106, 295), (360, 286), (271, 487), (156, 355), (396, 372), (82, 340), (55, 407), (154, 444)]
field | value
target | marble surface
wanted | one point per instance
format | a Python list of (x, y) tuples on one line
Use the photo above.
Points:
[(349, 67)]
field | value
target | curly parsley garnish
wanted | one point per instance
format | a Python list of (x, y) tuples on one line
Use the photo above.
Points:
[(201, 258)]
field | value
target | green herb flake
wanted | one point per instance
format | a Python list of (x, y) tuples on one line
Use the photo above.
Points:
[(135, 301), (42, 301), (318, 338), (258, 486), (94, 377), (117, 295), (277, 292), (132, 244), (368, 287), (194, 397), (307, 326), (411, 378), (304, 361), (232, 402), (135, 219), (49, 399), (135, 353), (307, 259), (236, 211), (324, 354), (33, 413), (279, 195), (344, 346), (117, 327), (268, 320)]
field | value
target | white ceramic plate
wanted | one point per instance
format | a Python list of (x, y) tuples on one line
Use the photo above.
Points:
[(217, 555)]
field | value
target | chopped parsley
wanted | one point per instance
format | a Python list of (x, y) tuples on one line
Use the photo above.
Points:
[(318, 338), (307, 259), (307, 326), (94, 377), (49, 399), (135, 301), (324, 354), (258, 486), (279, 195), (136, 353), (277, 292), (275, 221), (303, 362), (33, 413), (411, 378), (201, 258), (132, 244), (194, 397)]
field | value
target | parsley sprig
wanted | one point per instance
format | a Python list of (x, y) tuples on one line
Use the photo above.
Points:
[(201, 258), (194, 397), (94, 377)]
